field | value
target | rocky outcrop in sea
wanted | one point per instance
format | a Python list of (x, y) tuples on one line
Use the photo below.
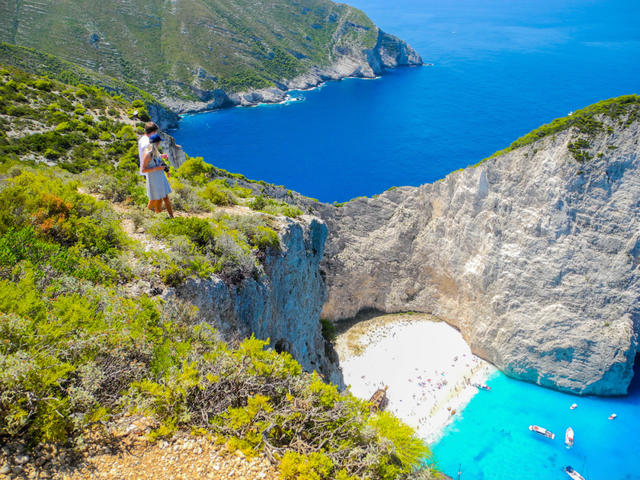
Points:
[(533, 255)]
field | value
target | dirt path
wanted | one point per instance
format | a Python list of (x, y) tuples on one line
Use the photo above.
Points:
[(183, 458)]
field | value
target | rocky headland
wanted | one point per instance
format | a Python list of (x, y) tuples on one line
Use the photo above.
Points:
[(349, 62), (283, 305), (194, 56), (533, 255)]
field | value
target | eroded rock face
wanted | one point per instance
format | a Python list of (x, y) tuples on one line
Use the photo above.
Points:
[(532, 255), (283, 305)]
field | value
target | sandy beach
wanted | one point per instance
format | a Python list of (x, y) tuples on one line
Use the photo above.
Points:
[(425, 363)]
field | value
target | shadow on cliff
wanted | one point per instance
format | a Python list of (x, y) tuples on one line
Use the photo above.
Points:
[(634, 386), (343, 325)]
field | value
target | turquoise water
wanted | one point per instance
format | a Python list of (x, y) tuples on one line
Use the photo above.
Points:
[(509, 67), (491, 439)]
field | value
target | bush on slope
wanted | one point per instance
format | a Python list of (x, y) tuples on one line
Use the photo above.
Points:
[(76, 350)]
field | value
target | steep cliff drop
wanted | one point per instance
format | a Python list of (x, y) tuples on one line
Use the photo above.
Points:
[(532, 254), (283, 305)]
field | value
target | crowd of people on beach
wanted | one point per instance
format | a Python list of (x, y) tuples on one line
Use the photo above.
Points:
[(433, 390)]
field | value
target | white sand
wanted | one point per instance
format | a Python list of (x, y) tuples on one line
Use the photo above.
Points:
[(414, 355)]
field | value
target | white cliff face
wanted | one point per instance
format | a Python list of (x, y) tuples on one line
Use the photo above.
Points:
[(532, 255), (283, 305)]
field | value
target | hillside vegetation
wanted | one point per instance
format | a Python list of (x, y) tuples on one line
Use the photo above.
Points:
[(180, 49), (624, 109), (52, 67), (80, 349)]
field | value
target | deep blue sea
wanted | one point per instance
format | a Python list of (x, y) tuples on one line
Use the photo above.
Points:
[(510, 66), (501, 69)]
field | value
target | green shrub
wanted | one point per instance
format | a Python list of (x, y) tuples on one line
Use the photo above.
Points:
[(328, 330), (264, 237), (405, 450), (195, 170), (26, 245), (217, 194), (258, 203), (583, 120), (51, 154), (315, 466), (43, 85), (124, 185), (144, 115), (274, 207), (59, 213), (199, 231)]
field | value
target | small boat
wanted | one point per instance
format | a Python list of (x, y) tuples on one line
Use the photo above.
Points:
[(573, 474), (574, 406), (612, 416), (482, 387), (542, 431), (568, 438)]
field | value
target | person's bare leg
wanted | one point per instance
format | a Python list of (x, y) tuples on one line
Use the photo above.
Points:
[(157, 205), (151, 205), (167, 204)]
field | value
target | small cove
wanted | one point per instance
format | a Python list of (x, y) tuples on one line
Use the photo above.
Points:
[(488, 437)]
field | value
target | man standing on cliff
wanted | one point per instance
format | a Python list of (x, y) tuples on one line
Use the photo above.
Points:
[(149, 129)]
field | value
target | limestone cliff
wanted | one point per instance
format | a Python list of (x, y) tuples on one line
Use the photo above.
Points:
[(533, 255), (283, 305)]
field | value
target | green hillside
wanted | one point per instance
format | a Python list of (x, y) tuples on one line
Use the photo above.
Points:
[(178, 49), (80, 350), (43, 64)]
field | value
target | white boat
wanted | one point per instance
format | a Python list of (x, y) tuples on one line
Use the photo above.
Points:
[(542, 431), (573, 474), (482, 387), (574, 406), (612, 416), (568, 438)]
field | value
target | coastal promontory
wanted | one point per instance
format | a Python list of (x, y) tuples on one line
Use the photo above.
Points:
[(195, 56), (533, 254)]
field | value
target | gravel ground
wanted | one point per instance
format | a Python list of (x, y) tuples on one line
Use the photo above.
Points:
[(132, 457)]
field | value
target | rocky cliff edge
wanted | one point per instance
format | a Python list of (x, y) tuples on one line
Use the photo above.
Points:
[(282, 305), (533, 255)]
